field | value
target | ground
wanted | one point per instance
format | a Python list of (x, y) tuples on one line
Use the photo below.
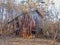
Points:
[(13, 40)]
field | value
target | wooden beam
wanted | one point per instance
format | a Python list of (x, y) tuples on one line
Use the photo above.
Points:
[(39, 13)]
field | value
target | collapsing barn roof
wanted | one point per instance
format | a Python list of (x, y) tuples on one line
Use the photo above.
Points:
[(33, 13)]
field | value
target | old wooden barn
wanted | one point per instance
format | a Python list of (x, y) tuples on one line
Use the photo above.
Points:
[(26, 24)]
